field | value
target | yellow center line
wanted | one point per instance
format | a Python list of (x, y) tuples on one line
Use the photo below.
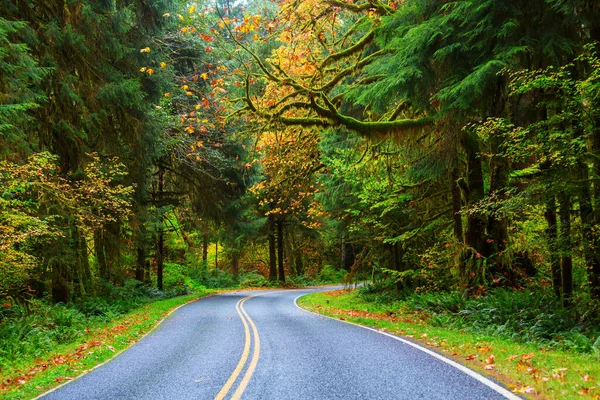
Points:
[(240, 366), (246, 379), (238, 369)]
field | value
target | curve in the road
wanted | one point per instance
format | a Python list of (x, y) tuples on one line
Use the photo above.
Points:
[(210, 349), (489, 383)]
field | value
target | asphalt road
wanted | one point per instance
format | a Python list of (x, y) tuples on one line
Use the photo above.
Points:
[(260, 345)]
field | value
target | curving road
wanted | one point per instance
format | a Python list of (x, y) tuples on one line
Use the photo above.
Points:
[(260, 345)]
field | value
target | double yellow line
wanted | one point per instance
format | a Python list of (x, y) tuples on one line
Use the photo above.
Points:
[(248, 323)]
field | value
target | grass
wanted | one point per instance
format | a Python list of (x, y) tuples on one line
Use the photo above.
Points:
[(535, 369), (98, 342)]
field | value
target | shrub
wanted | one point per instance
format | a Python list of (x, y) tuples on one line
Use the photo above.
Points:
[(253, 279), (329, 274)]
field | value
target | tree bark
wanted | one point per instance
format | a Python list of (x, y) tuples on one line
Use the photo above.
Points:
[(498, 226), (280, 245), (84, 273), (397, 259), (60, 282), (590, 238), (235, 265), (217, 254), (593, 13), (475, 232), (205, 248), (456, 206), (348, 256), (103, 268), (566, 247), (272, 250), (299, 263), (140, 263), (160, 247), (551, 232)]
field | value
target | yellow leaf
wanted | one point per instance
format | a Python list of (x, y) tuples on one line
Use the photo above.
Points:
[(188, 93), (204, 76), (192, 9), (185, 87), (143, 69), (145, 50), (166, 15), (198, 106), (167, 94), (199, 144), (149, 71), (180, 17), (163, 64)]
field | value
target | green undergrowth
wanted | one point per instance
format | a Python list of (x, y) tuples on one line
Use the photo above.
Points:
[(327, 275), (52, 344), (524, 316), (536, 351), (185, 279)]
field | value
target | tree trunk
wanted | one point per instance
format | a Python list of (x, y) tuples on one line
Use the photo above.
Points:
[(498, 226), (551, 231), (566, 247), (160, 259), (140, 263), (205, 248), (84, 274), (299, 263), (397, 259), (590, 237), (348, 256), (475, 233), (280, 245), (272, 250), (217, 254), (103, 268), (160, 247), (288, 253), (235, 265), (60, 282), (456, 205), (593, 269)]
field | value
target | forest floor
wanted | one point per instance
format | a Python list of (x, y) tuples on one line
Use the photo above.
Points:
[(532, 370)]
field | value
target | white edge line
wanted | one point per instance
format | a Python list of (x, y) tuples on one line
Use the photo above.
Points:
[(120, 351), (475, 375)]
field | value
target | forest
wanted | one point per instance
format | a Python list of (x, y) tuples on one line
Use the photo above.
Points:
[(444, 152)]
